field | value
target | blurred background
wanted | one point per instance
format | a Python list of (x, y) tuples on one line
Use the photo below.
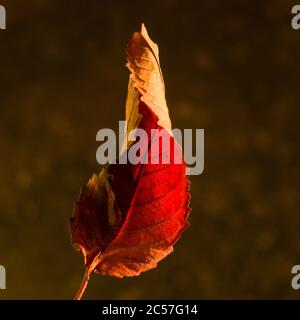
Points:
[(230, 67)]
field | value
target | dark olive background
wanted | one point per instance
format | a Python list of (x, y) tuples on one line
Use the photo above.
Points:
[(230, 67)]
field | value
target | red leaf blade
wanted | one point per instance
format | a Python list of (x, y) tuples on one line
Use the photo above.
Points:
[(129, 217)]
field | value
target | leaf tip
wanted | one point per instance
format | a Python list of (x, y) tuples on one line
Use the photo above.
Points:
[(143, 29)]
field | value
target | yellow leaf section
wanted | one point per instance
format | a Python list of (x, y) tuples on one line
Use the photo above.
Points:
[(146, 82)]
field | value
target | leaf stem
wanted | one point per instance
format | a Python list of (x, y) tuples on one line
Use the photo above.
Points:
[(83, 285), (86, 276)]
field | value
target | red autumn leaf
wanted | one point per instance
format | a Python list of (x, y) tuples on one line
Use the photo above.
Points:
[(129, 216)]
